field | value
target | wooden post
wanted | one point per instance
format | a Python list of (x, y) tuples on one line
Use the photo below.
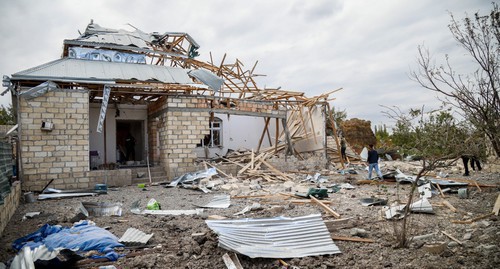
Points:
[(335, 134), (263, 133), (288, 138)]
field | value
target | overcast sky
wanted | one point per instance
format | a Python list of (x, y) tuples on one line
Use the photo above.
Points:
[(365, 47)]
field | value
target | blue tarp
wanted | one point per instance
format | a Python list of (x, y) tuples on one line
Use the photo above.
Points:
[(83, 236)]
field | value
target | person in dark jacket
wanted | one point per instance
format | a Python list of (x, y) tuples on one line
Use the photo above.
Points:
[(130, 147), (474, 162), (465, 160), (343, 147), (373, 162)]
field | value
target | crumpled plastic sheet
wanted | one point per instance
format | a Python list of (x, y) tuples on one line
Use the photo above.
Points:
[(83, 236)]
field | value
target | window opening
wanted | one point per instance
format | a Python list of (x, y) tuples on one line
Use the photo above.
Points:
[(214, 139)]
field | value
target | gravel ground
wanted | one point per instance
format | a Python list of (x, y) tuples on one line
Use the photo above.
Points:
[(174, 246)]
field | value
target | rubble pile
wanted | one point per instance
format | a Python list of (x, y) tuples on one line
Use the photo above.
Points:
[(211, 219)]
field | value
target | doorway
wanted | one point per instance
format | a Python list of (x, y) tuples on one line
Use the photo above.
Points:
[(130, 141)]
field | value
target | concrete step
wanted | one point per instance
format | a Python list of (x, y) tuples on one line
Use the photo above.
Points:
[(146, 180)]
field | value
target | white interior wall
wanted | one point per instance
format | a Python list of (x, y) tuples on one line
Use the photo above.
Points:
[(240, 132), (315, 124), (127, 112)]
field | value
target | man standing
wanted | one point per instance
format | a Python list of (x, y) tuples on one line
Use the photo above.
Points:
[(343, 147), (130, 147), (373, 162)]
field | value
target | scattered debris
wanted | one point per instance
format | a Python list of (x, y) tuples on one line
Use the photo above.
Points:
[(317, 178), (192, 178), (280, 237), (336, 224), (319, 193), (30, 215), (425, 191), (373, 201), (135, 208), (232, 261), (359, 232), (451, 207), (153, 205), (434, 248), (51, 193), (219, 201), (134, 237), (448, 183), (99, 209), (354, 239), (496, 207), (421, 237), (403, 178), (473, 220), (452, 238), (29, 197), (44, 196), (463, 193), (48, 241), (325, 207), (420, 206), (253, 207)]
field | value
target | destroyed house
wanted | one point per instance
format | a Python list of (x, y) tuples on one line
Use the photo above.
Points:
[(76, 114)]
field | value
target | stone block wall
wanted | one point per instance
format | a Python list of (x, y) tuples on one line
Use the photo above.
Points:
[(61, 154), (11, 202), (180, 130), (183, 120), (113, 178)]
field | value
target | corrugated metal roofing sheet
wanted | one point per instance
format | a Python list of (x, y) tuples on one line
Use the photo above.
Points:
[(96, 33), (219, 201), (77, 69), (133, 236), (208, 78), (280, 237)]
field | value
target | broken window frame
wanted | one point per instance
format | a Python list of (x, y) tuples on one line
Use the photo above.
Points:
[(214, 139)]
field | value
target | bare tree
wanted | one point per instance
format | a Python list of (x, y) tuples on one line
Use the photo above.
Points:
[(475, 95), (435, 137)]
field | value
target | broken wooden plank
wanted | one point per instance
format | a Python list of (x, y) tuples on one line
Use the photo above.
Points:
[(441, 191), (447, 204), (250, 164), (325, 207), (353, 239), (496, 208), (333, 225), (477, 185), (253, 196), (472, 220), (220, 171), (275, 170), (452, 238), (231, 261)]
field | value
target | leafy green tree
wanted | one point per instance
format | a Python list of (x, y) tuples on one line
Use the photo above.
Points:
[(7, 116), (383, 136)]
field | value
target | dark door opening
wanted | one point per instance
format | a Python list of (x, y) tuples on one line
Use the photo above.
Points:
[(130, 142)]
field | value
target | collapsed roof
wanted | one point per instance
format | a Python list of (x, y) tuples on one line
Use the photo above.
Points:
[(141, 67)]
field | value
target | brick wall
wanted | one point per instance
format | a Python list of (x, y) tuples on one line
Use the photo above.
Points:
[(179, 132), (61, 154), (11, 202), (182, 121)]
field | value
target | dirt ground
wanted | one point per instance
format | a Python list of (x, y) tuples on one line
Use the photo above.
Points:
[(174, 246)]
